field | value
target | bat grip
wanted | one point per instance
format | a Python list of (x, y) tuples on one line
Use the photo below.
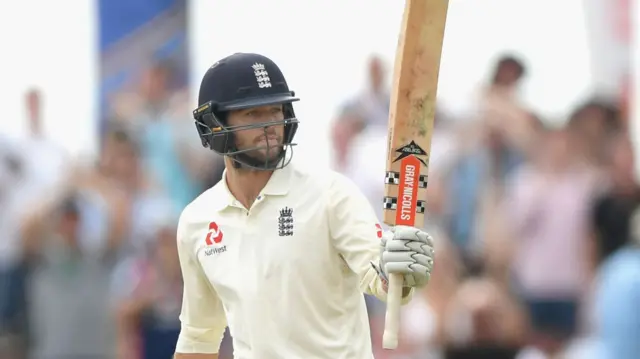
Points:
[(392, 316)]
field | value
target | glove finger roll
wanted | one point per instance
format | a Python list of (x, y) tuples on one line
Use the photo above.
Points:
[(423, 260), (398, 268), (419, 269), (392, 257), (404, 244)]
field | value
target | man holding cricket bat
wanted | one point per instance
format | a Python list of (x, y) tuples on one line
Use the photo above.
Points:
[(279, 254)]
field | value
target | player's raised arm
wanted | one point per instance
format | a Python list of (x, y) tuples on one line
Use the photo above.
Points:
[(371, 253), (202, 316)]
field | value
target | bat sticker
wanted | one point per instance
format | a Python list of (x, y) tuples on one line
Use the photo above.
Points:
[(408, 191), (391, 203), (392, 177), (411, 149)]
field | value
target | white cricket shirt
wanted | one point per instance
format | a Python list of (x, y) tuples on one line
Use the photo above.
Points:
[(287, 275)]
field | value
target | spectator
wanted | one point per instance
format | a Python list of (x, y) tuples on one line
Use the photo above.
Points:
[(617, 298), (612, 211), (508, 72), (45, 162), (594, 123), (490, 149), (148, 300), (483, 320), (548, 208), (32, 167), (168, 150), (120, 175), (12, 269), (70, 260), (370, 108)]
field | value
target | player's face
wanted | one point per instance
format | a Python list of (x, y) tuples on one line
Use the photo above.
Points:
[(268, 139)]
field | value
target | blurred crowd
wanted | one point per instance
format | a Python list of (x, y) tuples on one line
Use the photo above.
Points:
[(88, 262), (532, 219)]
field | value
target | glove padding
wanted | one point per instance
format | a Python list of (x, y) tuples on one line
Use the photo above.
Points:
[(407, 251)]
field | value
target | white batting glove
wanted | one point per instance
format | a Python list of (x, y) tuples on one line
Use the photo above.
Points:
[(407, 251)]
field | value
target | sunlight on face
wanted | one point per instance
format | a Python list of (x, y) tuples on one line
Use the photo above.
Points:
[(268, 140)]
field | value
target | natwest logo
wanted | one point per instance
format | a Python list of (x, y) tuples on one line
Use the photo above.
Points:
[(214, 236)]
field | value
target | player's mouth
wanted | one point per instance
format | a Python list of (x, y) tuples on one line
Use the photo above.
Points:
[(269, 140)]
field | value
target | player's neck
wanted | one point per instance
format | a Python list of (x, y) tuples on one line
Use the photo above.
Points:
[(245, 184)]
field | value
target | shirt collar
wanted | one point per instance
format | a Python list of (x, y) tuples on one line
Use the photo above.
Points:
[(278, 185)]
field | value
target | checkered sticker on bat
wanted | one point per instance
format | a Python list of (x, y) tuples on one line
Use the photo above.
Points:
[(394, 178), (391, 203)]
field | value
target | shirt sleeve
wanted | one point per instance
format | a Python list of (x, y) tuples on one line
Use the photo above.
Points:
[(354, 230), (202, 317)]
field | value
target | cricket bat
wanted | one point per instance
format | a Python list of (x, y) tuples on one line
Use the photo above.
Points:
[(411, 116)]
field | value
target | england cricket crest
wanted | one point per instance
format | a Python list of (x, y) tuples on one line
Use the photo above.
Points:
[(285, 222), (262, 76)]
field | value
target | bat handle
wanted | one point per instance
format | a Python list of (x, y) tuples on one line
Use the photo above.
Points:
[(392, 316)]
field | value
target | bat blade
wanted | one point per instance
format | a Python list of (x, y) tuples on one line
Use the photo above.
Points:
[(411, 117)]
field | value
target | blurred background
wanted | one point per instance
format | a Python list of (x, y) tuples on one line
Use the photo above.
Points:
[(533, 184)]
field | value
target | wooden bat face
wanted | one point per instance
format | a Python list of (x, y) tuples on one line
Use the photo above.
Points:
[(413, 101), (411, 118)]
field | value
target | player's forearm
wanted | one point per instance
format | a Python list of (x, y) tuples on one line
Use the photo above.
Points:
[(195, 356), (362, 257)]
